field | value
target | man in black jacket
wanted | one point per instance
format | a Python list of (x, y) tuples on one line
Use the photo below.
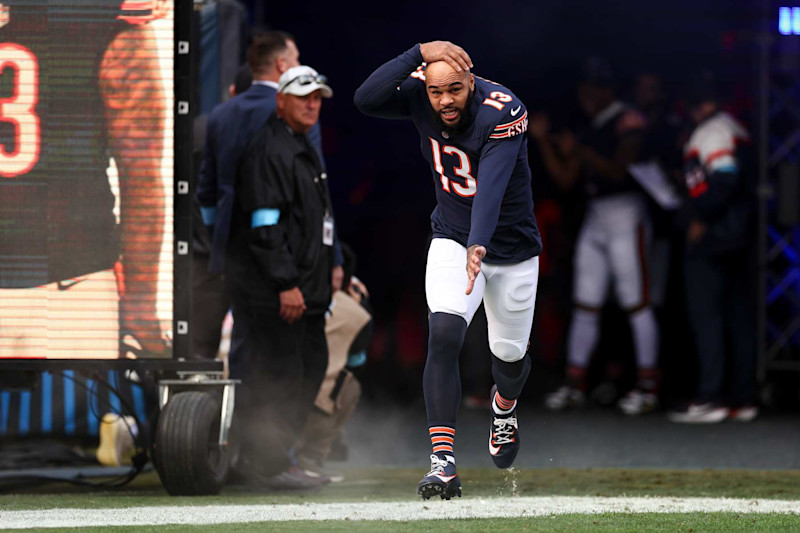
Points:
[(279, 261)]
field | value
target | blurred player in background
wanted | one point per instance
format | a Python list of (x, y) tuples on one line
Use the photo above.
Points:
[(472, 133), (80, 83), (614, 240)]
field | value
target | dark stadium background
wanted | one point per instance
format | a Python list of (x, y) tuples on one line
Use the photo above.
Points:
[(382, 186)]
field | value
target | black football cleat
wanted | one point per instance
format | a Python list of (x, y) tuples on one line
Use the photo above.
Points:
[(442, 480), (503, 436)]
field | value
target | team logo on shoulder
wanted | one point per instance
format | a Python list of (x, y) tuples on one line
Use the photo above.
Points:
[(510, 129), (5, 15)]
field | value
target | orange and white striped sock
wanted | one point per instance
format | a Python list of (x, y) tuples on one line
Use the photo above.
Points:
[(501, 406), (442, 439)]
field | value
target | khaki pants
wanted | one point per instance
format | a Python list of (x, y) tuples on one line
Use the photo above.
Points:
[(340, 391), (322, 429), (76, 318)]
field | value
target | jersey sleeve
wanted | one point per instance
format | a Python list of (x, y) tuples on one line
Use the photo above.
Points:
[(386, 93), (497, 162), (715, 150), (717, 180), (512, 125)]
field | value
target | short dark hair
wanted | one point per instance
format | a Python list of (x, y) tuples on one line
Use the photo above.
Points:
[(243, 80), (265, 48)]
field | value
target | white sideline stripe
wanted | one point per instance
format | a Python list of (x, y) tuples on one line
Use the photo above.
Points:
[(403, 511)]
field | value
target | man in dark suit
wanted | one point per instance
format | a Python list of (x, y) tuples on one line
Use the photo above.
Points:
[(231, 126), (209, 296)]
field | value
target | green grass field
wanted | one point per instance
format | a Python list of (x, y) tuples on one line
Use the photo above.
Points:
[(398, 485), (633, 523)]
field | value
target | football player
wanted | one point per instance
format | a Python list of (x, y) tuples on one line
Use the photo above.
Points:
[(614, 240), (79, 82), (485, 240)]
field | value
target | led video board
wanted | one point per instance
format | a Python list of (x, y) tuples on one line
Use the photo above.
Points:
[(86, 174)]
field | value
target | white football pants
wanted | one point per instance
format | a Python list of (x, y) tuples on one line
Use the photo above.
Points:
[(508, 293)]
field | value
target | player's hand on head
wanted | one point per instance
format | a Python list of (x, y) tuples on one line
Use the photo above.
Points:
[(475, 255), (453, 54)]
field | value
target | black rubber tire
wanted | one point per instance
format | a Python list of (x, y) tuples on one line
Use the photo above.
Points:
[(186, 452)]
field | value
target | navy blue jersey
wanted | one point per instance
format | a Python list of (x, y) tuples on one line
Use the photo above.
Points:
[(481, 175), (608, 130)]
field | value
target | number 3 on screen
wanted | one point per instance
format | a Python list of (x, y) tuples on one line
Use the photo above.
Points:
[(19, 110)]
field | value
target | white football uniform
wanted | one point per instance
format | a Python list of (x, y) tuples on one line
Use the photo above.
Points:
[(508, 293), (613, 247)]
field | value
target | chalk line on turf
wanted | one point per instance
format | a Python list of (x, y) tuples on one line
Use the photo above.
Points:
[(402, 510)]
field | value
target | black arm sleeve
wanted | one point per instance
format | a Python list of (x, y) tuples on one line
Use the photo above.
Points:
[(380, 95)]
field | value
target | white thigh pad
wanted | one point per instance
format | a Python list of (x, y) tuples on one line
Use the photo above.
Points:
[(510, 300), (446, 281)]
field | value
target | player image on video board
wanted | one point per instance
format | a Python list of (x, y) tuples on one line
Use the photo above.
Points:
[(86, 178)]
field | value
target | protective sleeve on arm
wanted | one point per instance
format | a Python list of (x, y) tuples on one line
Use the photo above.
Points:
[(381, 95)]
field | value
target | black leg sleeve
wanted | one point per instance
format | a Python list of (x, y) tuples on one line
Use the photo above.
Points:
[(510, 378), (441, 381)]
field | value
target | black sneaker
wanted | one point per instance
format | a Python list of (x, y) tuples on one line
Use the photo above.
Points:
[(503, 436), (442, 480)]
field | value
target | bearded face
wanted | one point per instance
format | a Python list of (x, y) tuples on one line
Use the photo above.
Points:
[(449, 93)]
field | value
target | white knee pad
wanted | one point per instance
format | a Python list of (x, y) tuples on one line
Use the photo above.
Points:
[(508, 351), (510, 300)]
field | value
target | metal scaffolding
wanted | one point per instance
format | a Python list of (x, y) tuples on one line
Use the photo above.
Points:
[(779, 199)]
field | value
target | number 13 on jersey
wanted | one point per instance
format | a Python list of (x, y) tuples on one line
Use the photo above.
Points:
[(19, 110), (463, 170)]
